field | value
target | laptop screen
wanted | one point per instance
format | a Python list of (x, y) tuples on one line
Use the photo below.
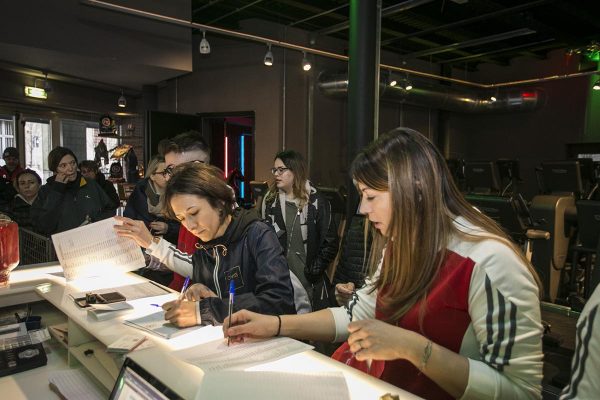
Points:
[(135, 383)]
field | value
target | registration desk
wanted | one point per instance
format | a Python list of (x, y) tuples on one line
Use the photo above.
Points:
[(44, 287)]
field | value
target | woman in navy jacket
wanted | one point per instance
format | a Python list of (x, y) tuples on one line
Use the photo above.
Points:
[(234, 245)]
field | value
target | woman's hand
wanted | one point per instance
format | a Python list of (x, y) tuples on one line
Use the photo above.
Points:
[(159, 228), (372, 339), (198, 292), (181, 313), (247, 324), (343, 293), (135, 230), (64, 178)]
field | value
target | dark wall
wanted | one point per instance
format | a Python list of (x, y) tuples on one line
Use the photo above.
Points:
[(531, 137)]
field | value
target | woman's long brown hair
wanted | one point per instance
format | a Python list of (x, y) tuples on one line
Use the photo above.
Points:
[(425, 202)]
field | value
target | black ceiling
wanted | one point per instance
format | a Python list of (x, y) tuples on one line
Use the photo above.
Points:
[(439, 31)]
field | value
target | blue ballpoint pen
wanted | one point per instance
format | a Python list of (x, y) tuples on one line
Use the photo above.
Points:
[(184, 287), (231, 296)]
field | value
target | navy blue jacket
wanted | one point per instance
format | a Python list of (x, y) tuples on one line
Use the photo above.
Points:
[(249, 254), (137, 208)]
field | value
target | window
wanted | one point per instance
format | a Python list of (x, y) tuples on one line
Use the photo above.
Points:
[(7, 134)]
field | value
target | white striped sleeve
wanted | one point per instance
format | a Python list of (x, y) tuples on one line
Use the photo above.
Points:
[(173, 258), (585, 367), (505, 313)]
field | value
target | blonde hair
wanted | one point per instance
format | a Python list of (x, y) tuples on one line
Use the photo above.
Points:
[(153, 165), (425, 202)]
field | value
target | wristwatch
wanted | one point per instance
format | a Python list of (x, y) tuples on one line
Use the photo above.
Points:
[(156, 239)]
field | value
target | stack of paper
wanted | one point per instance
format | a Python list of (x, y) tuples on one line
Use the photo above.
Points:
[(73, 384), (126, 343), (155, 323), (103, 312)]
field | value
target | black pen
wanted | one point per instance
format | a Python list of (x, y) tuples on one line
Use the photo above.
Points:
[(231, 295)]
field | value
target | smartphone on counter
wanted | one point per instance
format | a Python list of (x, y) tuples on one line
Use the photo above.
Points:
[(110, 297)]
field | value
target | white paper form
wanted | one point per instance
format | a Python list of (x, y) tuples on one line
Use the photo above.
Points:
[(74, 384), (274, 385), (96, 250), (217, 356)]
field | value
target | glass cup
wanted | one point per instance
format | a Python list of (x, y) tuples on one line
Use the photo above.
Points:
[(9, 249)]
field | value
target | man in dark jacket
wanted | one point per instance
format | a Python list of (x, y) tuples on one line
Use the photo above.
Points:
[(68, 200), (89, 170)]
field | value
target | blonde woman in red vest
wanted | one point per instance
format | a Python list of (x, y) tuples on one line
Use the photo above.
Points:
[(451, 308)]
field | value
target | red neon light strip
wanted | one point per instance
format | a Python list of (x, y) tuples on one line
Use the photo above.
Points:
[(226, 160)]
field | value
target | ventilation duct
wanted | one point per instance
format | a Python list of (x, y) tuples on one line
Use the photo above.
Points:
[(443, 97)]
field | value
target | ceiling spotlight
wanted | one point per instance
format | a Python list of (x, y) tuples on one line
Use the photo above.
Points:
[(391, 80), (204, 45), (122, 102), (407, 85), (268, 57), (305, 63), (493, 98), (596, 85)]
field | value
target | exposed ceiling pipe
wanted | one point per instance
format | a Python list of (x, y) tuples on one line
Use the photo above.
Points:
[(311, 50), (443, 97)]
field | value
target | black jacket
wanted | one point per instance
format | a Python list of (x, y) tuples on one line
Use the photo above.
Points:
[(20, 211), (249, 254), (65, 206), (137, 208), (109, 189), (352, 265), (322, 238)]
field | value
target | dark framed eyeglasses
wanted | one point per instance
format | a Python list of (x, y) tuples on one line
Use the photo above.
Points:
[(278, 170), (168, 171)]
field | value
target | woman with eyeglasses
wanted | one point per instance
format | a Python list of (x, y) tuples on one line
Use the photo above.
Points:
[(234, 245), (451, 308), (303, 223), (68, 200), (145, 202)]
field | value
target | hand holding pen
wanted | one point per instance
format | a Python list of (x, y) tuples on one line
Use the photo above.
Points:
[(181, 313), (231, 296)]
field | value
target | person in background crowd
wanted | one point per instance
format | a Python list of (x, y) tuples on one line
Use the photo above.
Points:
[(187, 147), (145, 202), (351, 269), (27, 184), (233, 245), (585, 367), (12, 167), (302, 221), (89, 170), (451, 308), (68, 200)]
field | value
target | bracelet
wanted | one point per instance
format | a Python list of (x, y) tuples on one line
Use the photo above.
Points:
[(279, 326), (426, 355)]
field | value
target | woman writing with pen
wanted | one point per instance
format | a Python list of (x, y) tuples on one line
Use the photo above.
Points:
[(234, 245), (451, 308)]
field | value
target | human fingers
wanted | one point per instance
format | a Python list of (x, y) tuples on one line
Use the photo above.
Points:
[(345, 288), (251, 324), (170, 304)]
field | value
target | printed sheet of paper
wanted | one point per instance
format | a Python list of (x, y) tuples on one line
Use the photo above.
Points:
[(217, 356), (96, 250), (74, 384), (273, 385)]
